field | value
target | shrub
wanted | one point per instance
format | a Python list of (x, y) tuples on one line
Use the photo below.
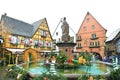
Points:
[(115, 74), (50, 77), (13, 71), (94, 77), (61, 58)]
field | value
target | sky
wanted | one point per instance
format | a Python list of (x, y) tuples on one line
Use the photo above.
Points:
[(106, 12)]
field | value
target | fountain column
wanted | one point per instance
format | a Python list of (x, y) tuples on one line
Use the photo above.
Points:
[(67, 44), (52, 67)]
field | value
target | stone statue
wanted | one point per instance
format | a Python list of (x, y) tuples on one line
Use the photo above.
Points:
[(65, 27), (65, 31)]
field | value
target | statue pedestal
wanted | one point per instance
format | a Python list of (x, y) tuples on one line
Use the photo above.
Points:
[(67, 48), (65, 38)]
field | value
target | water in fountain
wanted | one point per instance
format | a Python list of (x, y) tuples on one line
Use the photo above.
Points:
[(93, 57)]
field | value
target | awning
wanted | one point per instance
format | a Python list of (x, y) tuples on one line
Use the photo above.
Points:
[(19, 51)]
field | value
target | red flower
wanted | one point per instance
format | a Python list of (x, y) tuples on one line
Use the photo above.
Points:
[(70, 61)]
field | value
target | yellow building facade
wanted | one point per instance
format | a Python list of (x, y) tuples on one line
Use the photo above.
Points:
[(19, 36)]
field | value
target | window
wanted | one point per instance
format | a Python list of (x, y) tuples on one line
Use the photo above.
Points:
[(84, 28), (42, 33), (54, 41), (78, 38), (26, 41), (79, 45), (88, 19), (92, 27), (98, 43), (94, 44), (93, 35), (91, 43), (56, 33)]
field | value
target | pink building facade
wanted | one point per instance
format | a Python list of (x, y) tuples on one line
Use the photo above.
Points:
[(91, 36)]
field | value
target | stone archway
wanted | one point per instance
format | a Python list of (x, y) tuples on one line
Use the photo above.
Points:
[(97, 55), (26, 54)]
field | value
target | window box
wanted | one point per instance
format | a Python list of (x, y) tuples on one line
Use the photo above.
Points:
[(79, 47), (94, 38), (94, 47)]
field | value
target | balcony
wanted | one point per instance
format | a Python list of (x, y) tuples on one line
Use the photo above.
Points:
[(94, 46), (94, 38), (79, 47), (79, 40), (43, 36)]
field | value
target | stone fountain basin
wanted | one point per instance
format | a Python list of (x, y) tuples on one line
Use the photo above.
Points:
[(37, 70)]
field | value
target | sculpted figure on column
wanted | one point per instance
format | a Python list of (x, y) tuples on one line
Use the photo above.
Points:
[(65, 27), (65, 30)]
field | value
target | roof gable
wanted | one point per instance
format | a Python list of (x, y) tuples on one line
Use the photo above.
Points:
[(88, 22), (113, 35), (17, 27), (48, 29), (36, 25)]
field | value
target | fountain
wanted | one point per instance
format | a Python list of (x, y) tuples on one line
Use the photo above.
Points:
[(66, 45), (97, 68)]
